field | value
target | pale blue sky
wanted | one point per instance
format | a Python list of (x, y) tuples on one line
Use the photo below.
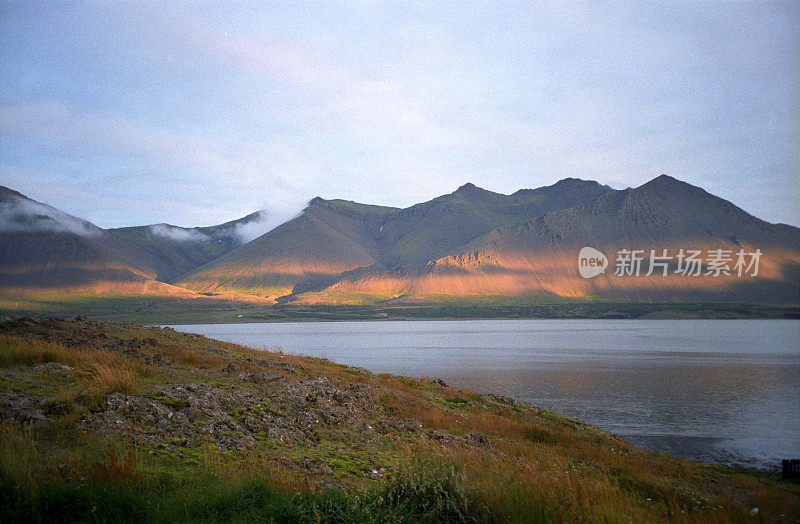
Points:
[(132, 113)]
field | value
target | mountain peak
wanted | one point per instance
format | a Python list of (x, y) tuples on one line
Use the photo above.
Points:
[(565, 184), (665, 181), (664, 185), (470, 189)]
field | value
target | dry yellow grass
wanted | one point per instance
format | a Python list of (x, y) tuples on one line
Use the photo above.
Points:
[(17, 351), (99, 372)]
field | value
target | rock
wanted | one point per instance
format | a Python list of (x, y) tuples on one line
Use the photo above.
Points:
[(285, 366), (265, 378), (502, 399), (259, 378), (239, 419), (154, 420), (314, 465), (51, 367), (22, 408), (238, 442), (479, 439), (376, 473), (230, 368)]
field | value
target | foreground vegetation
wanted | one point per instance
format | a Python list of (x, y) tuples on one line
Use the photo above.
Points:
[(116, 422)]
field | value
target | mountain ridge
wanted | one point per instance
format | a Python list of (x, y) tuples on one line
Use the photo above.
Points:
[(470, 242), (43, 249)]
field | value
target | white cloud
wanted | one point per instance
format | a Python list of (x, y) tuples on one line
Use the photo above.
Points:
[(262, 222), (253, 229), (178, 233), (232, 107), (20, 215)]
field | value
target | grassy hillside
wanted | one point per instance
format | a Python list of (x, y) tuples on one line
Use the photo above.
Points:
[(115, 422)]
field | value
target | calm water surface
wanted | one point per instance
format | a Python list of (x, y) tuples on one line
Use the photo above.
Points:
[(724, 391)]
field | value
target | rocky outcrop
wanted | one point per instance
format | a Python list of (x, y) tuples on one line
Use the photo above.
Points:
[(190, 414), (291, 412), (22, 408)]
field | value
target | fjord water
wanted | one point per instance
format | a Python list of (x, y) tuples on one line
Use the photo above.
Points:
[(724, 391)]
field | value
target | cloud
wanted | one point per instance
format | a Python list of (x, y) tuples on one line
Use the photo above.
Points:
[(260, 223), (227, 105), (180, 234), (252, 229), (245, 231), (240, 170), (19, 215)]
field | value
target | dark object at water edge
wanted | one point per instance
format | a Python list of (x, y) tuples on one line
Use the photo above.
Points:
[(791, 469)]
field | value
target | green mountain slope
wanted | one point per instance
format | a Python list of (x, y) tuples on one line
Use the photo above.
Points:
[(540, 256), (177, 250), (663, 209), (328, 238), (433, 229), (334, 238), (466, 244)]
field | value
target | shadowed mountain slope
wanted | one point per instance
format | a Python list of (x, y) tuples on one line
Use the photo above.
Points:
[(42, 247), (328, 238), (427, 231), (178, 250), (662, 209)]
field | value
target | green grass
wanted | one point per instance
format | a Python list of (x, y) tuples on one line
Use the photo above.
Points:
[(428, 495), (456, 456)]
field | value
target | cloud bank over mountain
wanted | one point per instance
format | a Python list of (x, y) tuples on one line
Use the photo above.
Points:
[(22, 215), (178, 233)]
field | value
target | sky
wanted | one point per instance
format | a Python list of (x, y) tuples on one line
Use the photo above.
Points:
[(196, 113)]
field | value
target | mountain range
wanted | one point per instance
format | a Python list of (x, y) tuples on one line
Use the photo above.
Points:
[(469, 244)]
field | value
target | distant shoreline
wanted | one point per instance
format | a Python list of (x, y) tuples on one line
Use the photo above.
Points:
[(164, 310)]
